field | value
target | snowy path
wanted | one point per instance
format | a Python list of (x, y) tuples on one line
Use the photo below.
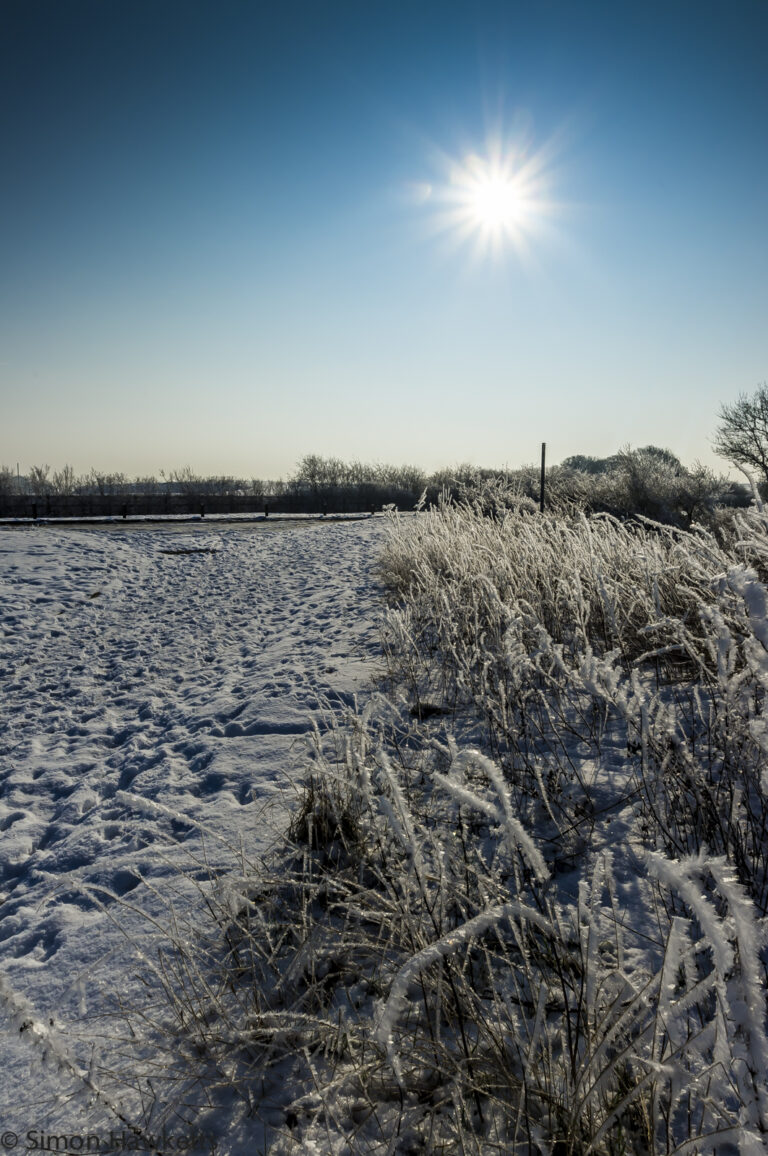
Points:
[(183, 668)]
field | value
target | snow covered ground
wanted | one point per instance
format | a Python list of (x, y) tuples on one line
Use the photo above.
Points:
[(182, 668)]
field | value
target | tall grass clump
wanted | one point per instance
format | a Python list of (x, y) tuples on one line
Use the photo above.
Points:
[(406, 975), (564, 634)]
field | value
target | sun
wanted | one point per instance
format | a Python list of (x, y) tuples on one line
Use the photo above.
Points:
[(494, 196), (495, 201)]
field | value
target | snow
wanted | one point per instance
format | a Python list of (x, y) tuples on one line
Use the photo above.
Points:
[(162, 691), (157, 684)]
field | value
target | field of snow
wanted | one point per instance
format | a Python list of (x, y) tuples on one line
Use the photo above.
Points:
[(182, 668)]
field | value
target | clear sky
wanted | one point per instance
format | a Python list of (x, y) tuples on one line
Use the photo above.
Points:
[(233, 233)]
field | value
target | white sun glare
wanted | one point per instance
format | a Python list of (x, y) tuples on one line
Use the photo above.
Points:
[(494, 196), (495, 202)]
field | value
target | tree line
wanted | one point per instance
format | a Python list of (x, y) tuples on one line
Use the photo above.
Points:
[(650, 481)]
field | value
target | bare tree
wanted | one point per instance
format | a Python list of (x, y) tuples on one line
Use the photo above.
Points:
[(147, 484), (742, 436), (7, 480), (64, 481), (185, 480), (106, 483), (39, 481)]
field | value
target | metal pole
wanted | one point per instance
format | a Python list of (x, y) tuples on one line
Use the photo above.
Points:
[(541, 486)]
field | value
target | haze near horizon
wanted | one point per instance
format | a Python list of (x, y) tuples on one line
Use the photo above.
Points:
[(234, 234)]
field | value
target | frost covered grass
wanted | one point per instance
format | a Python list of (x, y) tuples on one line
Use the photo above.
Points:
[(408, 975), (521, 905), (566, 633)]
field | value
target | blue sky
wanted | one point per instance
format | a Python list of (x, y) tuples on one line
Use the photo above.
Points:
[(225, 238)]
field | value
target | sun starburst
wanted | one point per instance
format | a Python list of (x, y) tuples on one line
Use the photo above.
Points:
[(496, 201)]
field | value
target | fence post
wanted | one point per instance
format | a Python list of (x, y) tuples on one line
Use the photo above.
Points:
[(541, 484)]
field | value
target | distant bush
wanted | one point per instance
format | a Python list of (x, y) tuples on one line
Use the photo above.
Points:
[(329, 483), (649, 482)]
